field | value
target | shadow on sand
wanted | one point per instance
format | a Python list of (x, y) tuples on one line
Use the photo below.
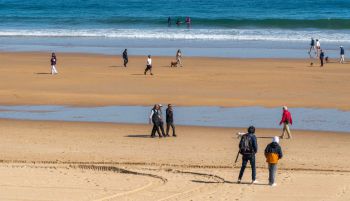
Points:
[(139, 136)]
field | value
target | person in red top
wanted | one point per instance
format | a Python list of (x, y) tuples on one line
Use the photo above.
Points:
[(286, 120)]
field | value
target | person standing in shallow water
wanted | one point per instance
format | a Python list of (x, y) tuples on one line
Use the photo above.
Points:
[(53, 64), (125, 57), (286, 120), (170, 120)]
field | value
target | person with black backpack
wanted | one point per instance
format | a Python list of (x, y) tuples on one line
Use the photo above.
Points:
[(248, 147)]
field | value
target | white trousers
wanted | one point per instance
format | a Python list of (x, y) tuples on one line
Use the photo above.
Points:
[(342, 59), (53, 70)]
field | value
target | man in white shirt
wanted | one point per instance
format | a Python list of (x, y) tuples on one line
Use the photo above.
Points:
[(149, 65), (318, 47)]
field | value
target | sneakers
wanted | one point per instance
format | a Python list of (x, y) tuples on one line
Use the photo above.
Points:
[(273, 185), (239, 181), (255, 182)]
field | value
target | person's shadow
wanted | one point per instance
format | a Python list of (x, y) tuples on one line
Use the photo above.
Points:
[(42, 73), (138, 136)]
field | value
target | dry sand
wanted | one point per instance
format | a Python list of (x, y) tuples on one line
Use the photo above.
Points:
[(101, 80), (96, 161)]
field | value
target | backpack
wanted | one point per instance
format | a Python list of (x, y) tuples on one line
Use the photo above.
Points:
[(246, 144)]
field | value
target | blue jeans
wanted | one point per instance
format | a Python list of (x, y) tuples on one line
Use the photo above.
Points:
[(272, 173), (245, 159)]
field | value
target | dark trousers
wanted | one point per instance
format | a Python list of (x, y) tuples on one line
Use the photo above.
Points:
[(148, 68), (272, 173), (321, 61), (126, 61), (245, 159), (168, 125), (155, 129), (161, 126)]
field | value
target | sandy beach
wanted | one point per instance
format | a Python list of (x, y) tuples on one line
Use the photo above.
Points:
[(47, 160), (90, 80), (97, 161)]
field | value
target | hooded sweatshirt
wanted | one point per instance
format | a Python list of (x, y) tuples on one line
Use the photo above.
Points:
[(273, 152)]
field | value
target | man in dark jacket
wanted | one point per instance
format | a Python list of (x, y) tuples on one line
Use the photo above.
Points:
[(321, 57), (248, 147), (273, 152), (170, 120), (125, 57)]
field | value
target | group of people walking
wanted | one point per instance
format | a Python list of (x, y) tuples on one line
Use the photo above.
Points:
[(315, 46), (156, 118)]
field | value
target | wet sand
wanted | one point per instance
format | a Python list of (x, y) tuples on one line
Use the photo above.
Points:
[(101, 161), (90, 80)]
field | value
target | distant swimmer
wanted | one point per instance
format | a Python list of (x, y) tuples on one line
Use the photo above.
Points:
[(53, 64), (169, 21), (125, 57), (342, 55), (178, 22), (188, 21)]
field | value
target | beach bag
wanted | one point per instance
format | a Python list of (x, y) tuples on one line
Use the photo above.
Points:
[(246, 145)]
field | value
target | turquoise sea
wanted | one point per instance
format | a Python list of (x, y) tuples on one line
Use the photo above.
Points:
[(281, 27)]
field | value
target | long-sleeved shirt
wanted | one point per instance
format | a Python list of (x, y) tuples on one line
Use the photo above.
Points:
[(286, 117), (53, 61), (149, 62), (169, 116)]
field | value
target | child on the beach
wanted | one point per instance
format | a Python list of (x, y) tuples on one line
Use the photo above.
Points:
[(273, 153)]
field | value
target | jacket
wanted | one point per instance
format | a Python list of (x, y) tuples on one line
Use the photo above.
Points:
[(286, 117), (273, 152), (169, 116)]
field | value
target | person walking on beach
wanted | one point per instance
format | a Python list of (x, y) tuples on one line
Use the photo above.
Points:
[(53, 64), (342, 55), (125, 57), (273, 152), (318, 47), (154, 118), (321, 57), (170, 120), (161, 122), (149, 65), (286, 120), (179, 57), (312, 47), (248, 147)]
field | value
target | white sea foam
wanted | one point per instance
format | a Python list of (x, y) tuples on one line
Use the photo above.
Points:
[(188, 34)]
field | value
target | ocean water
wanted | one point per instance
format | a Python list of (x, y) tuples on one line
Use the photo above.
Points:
[(303, 118), (215, 23)]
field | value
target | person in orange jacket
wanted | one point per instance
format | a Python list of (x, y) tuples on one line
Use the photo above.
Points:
[(273, 152)]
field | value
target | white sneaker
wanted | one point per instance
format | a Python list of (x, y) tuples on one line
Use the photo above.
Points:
[(255, 182), (238, 181), (273, 185)]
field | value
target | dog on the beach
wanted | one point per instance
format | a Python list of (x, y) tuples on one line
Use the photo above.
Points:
[(173, 64)]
